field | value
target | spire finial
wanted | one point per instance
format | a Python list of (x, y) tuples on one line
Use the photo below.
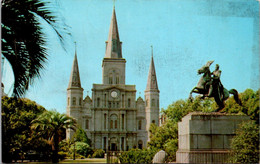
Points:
[(114, 3), (152, 49), (75, 47)]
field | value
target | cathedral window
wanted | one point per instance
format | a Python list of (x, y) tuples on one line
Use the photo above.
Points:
[(147, 102), (117, 79), (111, 124), (105, 121), (68, 101), (158, 103), (115, 124), (153, 102), (98, 102), (110, 79), (139, 124), (113, 121), (87, 124), (129, 103), (123, 101), (80, 101), (74, 101), (123, 121), (105, 143), (122, 143), (109, 104), (105, 100)]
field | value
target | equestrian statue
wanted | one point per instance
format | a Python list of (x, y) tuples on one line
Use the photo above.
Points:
[(210, 85)]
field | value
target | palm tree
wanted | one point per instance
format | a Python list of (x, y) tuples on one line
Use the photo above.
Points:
[(51, 125), (23, 41)]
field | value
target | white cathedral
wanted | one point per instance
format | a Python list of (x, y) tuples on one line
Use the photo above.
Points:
[(113, 118)]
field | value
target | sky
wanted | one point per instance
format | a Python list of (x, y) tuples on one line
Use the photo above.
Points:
[(185, 34)]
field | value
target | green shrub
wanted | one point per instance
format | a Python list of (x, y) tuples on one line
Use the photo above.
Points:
[(98, 153), (81, 148), (137, 156), (245, 145)]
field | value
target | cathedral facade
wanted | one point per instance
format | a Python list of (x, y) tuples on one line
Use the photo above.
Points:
[(113, 117)]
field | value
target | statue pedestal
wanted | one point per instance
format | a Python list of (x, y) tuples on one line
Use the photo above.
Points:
[(206, 137)]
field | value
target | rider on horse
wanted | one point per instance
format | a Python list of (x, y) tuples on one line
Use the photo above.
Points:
[(216, 83)]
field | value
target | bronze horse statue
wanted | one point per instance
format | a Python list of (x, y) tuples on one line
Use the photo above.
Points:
[(220, 94)]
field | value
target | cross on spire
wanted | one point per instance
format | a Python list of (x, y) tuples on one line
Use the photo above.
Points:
[(152, 50)]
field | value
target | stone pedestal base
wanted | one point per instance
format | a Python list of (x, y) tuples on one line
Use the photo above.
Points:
[(206, 137), (214, 156)]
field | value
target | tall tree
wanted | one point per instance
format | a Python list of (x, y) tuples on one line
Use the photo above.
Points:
[(51, 125), (17, 137), (23, 41)]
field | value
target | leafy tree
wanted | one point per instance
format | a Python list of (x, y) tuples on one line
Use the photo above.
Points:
[(23, 39), (52, 125), (245, 145), (81, 136), (17, 137)]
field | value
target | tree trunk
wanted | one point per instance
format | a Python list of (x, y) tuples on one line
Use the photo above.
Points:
[(55, 147)]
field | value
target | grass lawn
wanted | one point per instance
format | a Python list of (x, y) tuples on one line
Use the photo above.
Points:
[(87, 160)]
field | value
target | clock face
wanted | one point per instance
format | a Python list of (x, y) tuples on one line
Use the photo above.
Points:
[(114, 94)]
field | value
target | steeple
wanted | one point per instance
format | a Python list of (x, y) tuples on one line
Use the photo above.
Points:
[(152, 80), (74, 76), (113, 44)]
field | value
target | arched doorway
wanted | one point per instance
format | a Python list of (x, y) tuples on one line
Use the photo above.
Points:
[(140, 144), (113, 144)]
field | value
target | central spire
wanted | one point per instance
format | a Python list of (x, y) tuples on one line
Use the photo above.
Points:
[(113, 44)]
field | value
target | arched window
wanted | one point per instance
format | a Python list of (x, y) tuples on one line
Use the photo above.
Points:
[(139, 124), (68, 101), (87, 124), (129, 103), (115, 124), (117, 79), (123, 100), (110, 79), (105, 121), (113, 120), (74, 101), (147, 102), (98, 102), (153, 102), (80, 101), (140, 144), (105, 100), (157, 102), (111, 124), (123, 121)]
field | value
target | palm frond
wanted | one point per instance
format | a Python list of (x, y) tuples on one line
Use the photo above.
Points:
[(23, 42)]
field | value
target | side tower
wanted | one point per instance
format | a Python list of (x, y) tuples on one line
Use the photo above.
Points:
[(152, 107), (74, 96)]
